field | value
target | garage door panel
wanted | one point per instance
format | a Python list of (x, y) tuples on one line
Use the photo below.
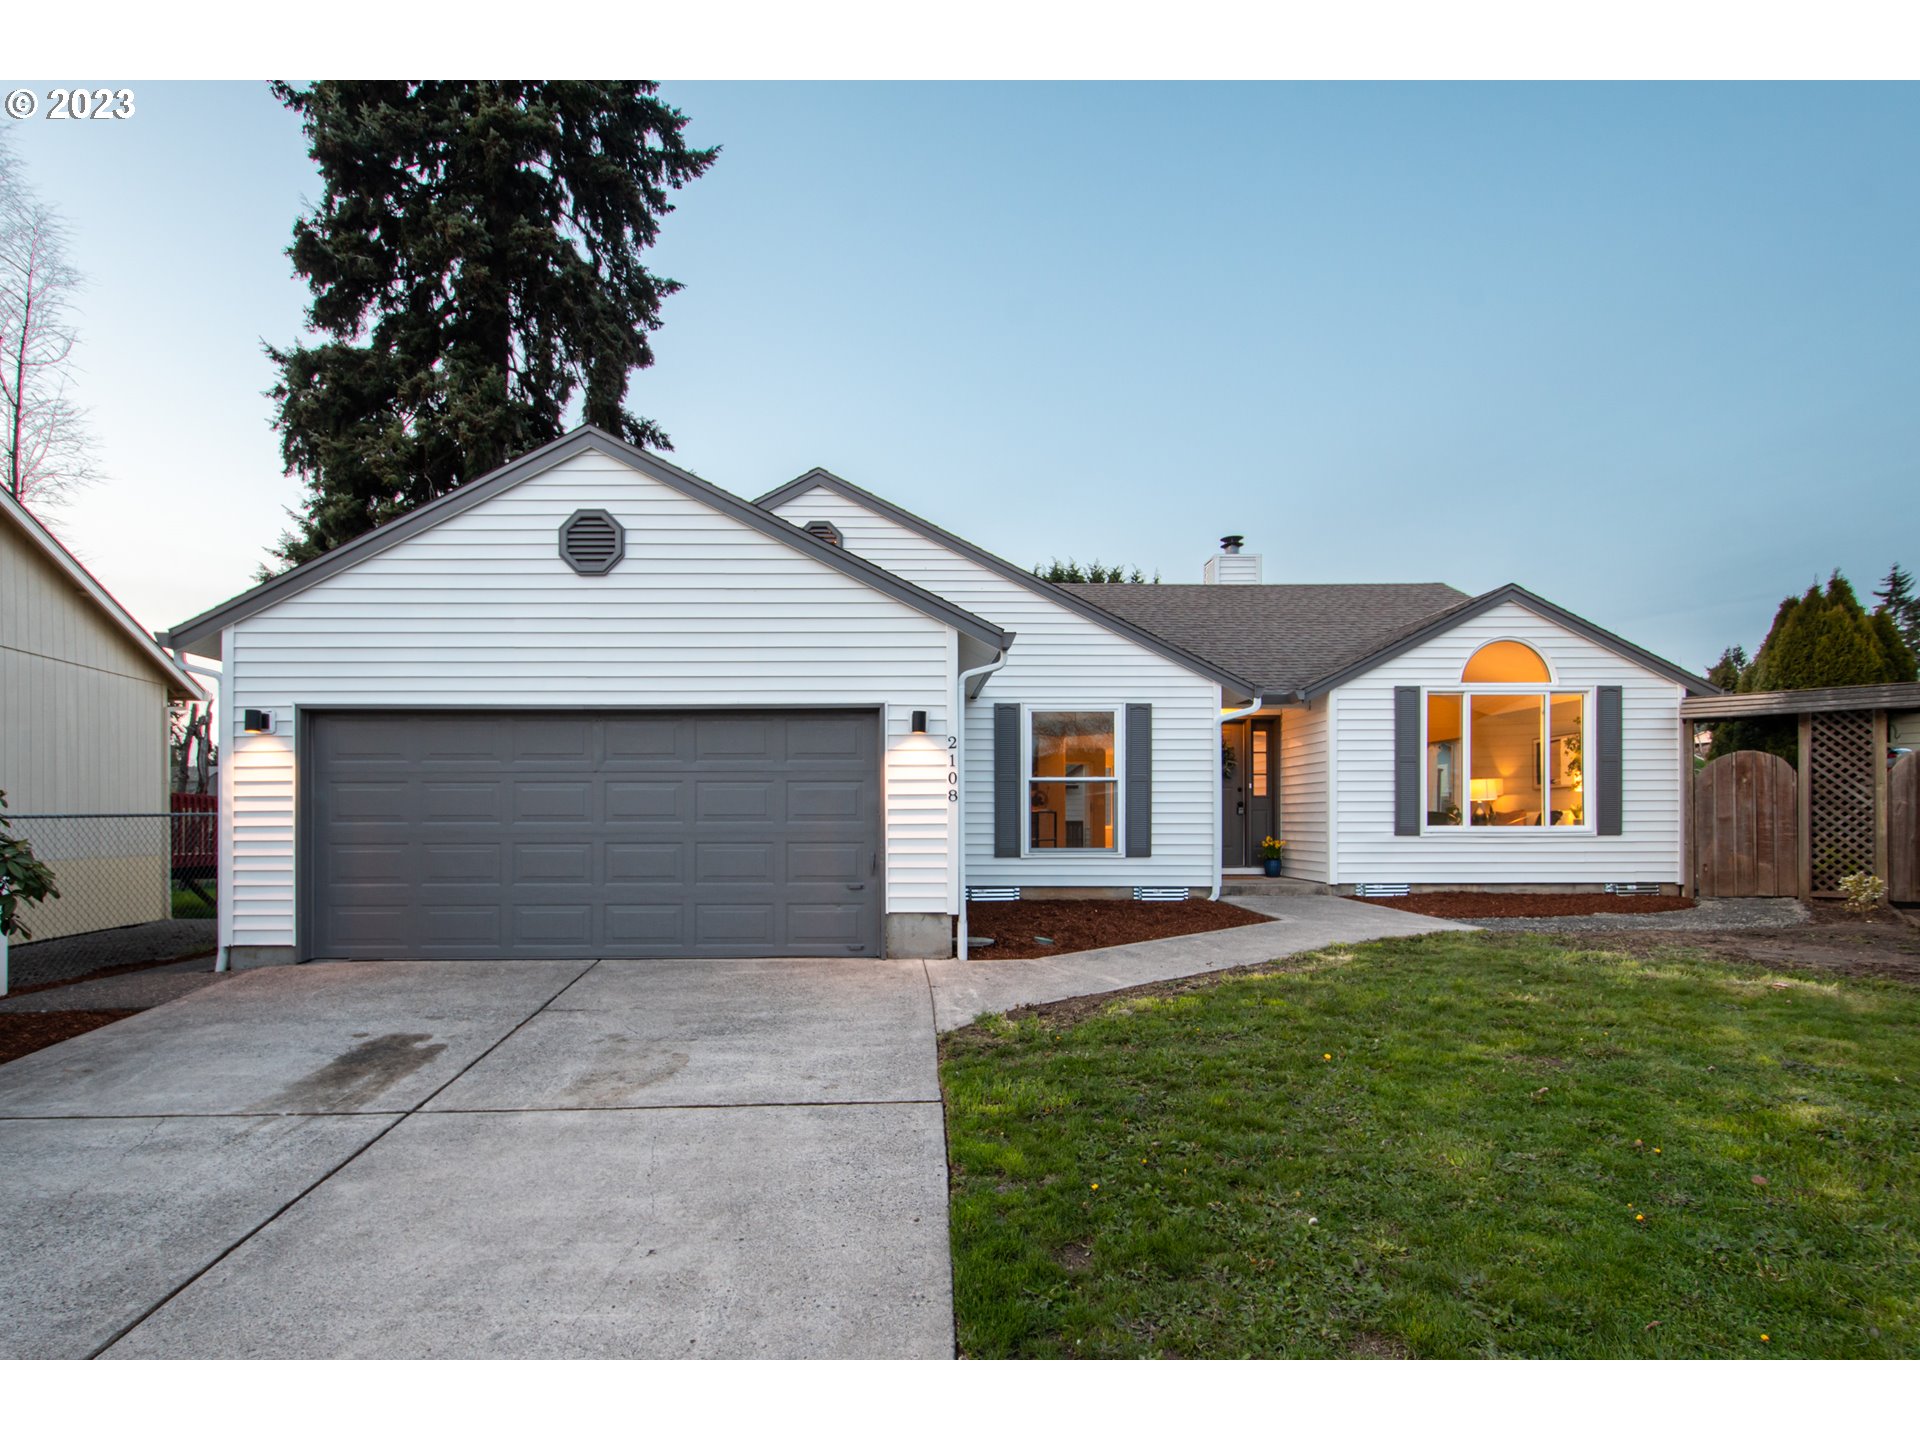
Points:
[(648, 740), (640, 800), (839, 737), (733, 800), (827, 924), (733, 863), (464, 800), (542, 740), (547, 800), (459, 741), (645, 926), (661, 862), (509, 835), (733, 923), (745, 740), (814, 861), (447, 862), (832, 800), (534, 864)]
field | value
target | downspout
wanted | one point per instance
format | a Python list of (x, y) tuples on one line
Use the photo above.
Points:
[(1227, 717), (960, 790), (220, 963)]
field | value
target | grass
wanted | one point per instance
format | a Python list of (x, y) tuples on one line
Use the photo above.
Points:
[(189, 906), (1458, 1145)]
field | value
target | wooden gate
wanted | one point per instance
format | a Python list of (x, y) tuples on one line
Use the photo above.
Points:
[(1903, 831), (1746, 827)]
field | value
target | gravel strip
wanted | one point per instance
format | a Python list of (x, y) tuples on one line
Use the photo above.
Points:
[(1707, 915)]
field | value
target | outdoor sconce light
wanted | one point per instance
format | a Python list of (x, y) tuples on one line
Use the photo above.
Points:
[(257, 722), (919, 722)]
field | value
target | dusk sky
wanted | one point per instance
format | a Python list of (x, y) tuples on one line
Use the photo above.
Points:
[(1650, 351)]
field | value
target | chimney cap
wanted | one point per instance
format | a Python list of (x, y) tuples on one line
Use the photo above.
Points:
[(1232, 543)]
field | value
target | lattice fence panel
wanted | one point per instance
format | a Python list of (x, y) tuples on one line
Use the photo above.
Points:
[(1840, 822)]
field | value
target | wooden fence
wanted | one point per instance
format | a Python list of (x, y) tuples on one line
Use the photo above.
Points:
[(1903, 831)]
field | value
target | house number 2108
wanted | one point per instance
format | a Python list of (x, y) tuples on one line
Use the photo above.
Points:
[(953, 776)]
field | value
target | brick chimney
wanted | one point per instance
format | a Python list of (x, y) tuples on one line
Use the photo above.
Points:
[(1230, 567)]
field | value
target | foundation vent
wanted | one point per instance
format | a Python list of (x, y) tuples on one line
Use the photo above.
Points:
[(1160, 892), (993, 892), (1380, 892)]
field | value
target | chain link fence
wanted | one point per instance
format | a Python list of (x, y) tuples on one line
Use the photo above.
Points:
[(116, 870)]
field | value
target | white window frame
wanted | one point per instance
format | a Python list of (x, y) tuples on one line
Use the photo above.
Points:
[(1118, 710), (1548, 688)]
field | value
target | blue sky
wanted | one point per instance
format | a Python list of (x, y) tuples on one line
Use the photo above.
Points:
[(1647, 350)]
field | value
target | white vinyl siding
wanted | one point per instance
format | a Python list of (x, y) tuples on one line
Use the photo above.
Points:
[(480, 610), (1303, 790), (1649, 849), (1059, 660)]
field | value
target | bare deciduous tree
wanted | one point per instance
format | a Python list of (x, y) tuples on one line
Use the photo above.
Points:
[(46, 450)]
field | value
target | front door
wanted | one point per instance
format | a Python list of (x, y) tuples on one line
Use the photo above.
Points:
[(1249, 789)]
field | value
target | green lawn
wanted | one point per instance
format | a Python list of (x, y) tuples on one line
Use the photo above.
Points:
[(1452, 1146)]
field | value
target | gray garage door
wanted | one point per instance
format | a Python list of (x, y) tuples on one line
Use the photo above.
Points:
[(543, 835)]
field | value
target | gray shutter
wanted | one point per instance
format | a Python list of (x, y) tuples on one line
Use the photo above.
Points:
[(1607, 751), (1139, 780), (1007, 809), (1406, 759)]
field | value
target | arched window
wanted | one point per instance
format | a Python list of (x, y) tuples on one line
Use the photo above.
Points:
[(1505, 756), (1505, 662)]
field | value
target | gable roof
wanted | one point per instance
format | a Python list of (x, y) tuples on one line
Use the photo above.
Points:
[(180, 685), (192, 634), (1284, 636), (1305, 640), (1168, 647)]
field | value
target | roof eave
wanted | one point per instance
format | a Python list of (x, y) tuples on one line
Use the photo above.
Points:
[(820, 479), (302, 577), (1480, 604), (180, 685)]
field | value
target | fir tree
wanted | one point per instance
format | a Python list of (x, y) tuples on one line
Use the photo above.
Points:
[(475, 262), (1825, 638), (1818, 639), (1900, 605), (1070, 572)]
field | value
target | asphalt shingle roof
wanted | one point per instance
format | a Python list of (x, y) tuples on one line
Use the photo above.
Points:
[(1282, 637)]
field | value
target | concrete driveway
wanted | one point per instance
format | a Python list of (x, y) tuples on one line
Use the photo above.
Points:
[(622, 1158), (530, 1159)]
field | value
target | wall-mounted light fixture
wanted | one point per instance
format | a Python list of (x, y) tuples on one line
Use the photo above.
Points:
[(919, 722), (257, 722)]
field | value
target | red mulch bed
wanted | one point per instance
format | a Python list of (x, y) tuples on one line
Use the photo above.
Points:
[(1489, 905), (24, 1031), (1091, 924)]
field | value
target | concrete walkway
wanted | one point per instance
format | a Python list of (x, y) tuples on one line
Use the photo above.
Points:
[(964, 990), (622, 1158)]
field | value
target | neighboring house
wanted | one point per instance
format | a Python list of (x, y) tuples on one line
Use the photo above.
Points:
[(591, 704), (83, 733)]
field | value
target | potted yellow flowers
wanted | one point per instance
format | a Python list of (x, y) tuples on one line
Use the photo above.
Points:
[(1271, 852)]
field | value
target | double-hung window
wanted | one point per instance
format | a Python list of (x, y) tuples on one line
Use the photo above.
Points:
[(1073, 800), (1507, 749)]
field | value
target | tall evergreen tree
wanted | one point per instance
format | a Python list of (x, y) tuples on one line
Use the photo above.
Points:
[(475, 262), (1900, 605), (1818, 639), (1729, 668), (1826, 638)]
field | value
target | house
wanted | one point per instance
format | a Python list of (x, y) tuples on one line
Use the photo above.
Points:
[(84, 692), (592, 705)]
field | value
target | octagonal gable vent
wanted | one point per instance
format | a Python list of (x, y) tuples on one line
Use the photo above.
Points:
[(823, 530), (592, 541)]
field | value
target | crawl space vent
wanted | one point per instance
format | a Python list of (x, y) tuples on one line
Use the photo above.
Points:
[(592, 542)]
